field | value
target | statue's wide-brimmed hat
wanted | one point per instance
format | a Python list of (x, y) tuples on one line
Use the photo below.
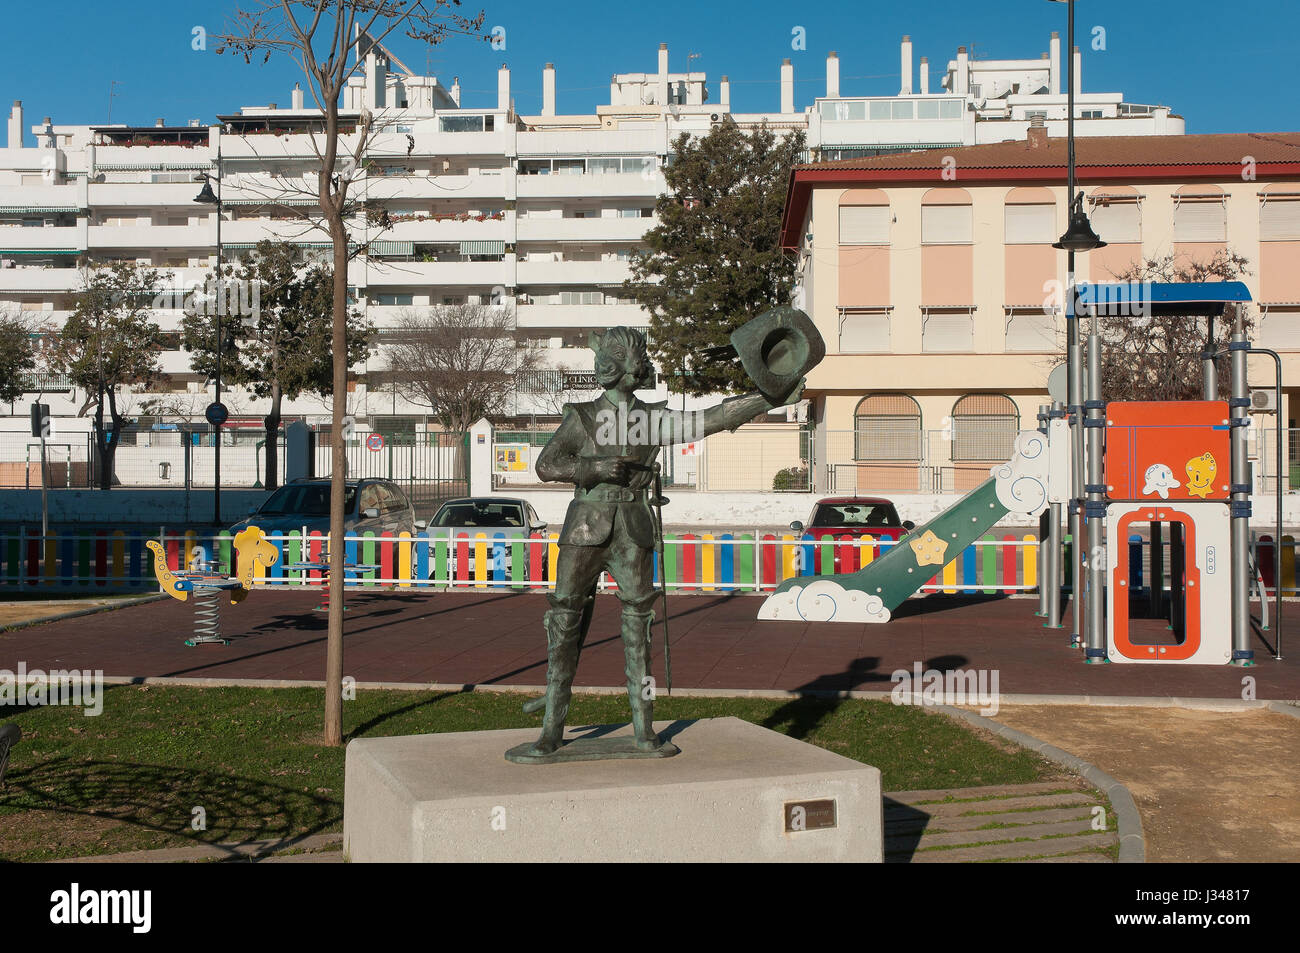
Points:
[(777, 349)]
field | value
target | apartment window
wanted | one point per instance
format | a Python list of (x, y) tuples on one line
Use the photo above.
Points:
[(984, 428), (902, 109), (947, 330), (844, 112), (1090, 114), (950, 109), (570, 166), (629, 213), (1279, 328), (1200, 219), (864, 331), (1117, 219), (865, 224), (881, 110), (1031, 330), (887, 427), (1279, 219), (946, 225), (1030, 224), (391, 300), (927, 109), (582, 297), (604, 166), (465, 123)]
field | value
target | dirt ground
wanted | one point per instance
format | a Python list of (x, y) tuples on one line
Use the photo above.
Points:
[(26, 611), (1211, 786)]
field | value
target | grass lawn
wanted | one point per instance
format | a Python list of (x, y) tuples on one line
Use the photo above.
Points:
[(131, 778)]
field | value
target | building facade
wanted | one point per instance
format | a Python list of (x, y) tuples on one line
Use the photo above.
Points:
[(933, 279), (536, 213)]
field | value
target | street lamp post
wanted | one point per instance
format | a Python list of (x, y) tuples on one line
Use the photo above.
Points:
[(216, 412), (1083, 414)]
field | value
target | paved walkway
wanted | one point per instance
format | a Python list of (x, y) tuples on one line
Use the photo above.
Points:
[(496, 638), (1047, 822)]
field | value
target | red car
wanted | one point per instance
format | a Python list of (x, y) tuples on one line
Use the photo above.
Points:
[(855, 516)]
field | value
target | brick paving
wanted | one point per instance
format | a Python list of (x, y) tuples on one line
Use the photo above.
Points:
[(496, 638)]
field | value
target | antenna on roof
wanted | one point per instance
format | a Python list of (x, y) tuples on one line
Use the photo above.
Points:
[(112, 86)]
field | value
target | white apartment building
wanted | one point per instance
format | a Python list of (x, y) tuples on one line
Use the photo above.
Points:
[(539, 213)]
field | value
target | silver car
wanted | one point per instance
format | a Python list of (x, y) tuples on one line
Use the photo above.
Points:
[(513, 518)]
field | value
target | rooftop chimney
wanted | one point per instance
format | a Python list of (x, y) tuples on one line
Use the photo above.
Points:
[(905, 66), (832, 75), (961, 82), (455, 90), (548, 90), (503, 87), (295, 98), (661, 86), (16, 125), (724, 94), (1078, 73), (159, 123), (1054, 65), (1037, 133), (787, 86), (925, 76)]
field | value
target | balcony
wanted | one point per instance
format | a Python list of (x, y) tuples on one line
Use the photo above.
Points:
[(290, 146), (630, 185), (151, 236), (46, 238), (580, 316), (572, 272), (597, 142), (534, 228), (39, 279), (44, 196), (143, 194), (430, 231), (478, 185), (421, 274), (145, 157), (253, 230)]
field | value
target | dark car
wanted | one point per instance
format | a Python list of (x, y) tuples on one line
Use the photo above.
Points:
[(488, 515), (854, 516), (369, 505)]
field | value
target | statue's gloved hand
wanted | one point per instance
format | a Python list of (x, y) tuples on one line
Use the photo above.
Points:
[(610, 469)]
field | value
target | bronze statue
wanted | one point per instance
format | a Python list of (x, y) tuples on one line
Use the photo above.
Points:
[(607, 448)]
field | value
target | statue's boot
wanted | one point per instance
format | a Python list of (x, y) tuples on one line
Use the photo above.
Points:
[(636, 652), (563, 645)]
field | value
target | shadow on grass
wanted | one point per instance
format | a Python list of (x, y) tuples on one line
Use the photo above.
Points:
[(162, 798)]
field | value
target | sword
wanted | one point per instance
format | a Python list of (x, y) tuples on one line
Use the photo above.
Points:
[(659, 501)]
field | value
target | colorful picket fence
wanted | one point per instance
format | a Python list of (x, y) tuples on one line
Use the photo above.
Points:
[(117, 560)]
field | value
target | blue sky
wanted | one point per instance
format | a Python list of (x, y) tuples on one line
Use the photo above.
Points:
[(1226, 68)]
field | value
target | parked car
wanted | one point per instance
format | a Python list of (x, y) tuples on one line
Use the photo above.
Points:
[(852, 516), (370, 505), (487, 515)]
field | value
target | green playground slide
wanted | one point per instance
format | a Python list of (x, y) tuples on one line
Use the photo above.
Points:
[(872, 593)]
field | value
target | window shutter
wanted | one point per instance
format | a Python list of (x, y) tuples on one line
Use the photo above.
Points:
[(864, 332), (864, 225), (1031, 224), (947, 332), (1032, 332), (945, 224), (1118, 222), (1279, 220), (1200, 222)]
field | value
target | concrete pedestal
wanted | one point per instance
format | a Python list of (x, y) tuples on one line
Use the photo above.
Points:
[(737, 792)]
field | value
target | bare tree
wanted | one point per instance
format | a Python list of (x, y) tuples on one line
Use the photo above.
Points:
[(1159, 358), (462, 361), (321, 36)]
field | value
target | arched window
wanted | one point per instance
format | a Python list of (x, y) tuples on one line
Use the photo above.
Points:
[(984, 428), (887, 427)]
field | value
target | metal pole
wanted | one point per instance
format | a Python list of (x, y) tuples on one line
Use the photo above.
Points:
[(1074, 378), (1209, 373), (1054, 552), (45, 503), (1242, 654), (216, 481), (1096, 421), (1044, 580)]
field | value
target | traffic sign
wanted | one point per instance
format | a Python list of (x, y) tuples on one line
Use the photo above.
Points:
[(217, 413), (375, 442)]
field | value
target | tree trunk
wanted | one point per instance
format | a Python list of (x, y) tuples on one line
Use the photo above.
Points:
[(338, 487), (272, 422)]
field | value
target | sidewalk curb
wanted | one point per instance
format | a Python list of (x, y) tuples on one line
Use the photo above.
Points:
[(78, 613), (1132, 844), (244, 850), (1100, 701)]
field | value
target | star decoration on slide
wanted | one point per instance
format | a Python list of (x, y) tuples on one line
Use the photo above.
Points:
[(929, 549)]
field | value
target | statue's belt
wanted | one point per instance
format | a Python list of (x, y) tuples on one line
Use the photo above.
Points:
[(607, 493)]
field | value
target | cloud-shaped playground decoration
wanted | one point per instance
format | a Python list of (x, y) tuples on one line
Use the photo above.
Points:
[(823, 601), (1022, 480)]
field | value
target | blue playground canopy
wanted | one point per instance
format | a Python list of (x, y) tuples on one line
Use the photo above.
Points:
[(1145, 298)]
